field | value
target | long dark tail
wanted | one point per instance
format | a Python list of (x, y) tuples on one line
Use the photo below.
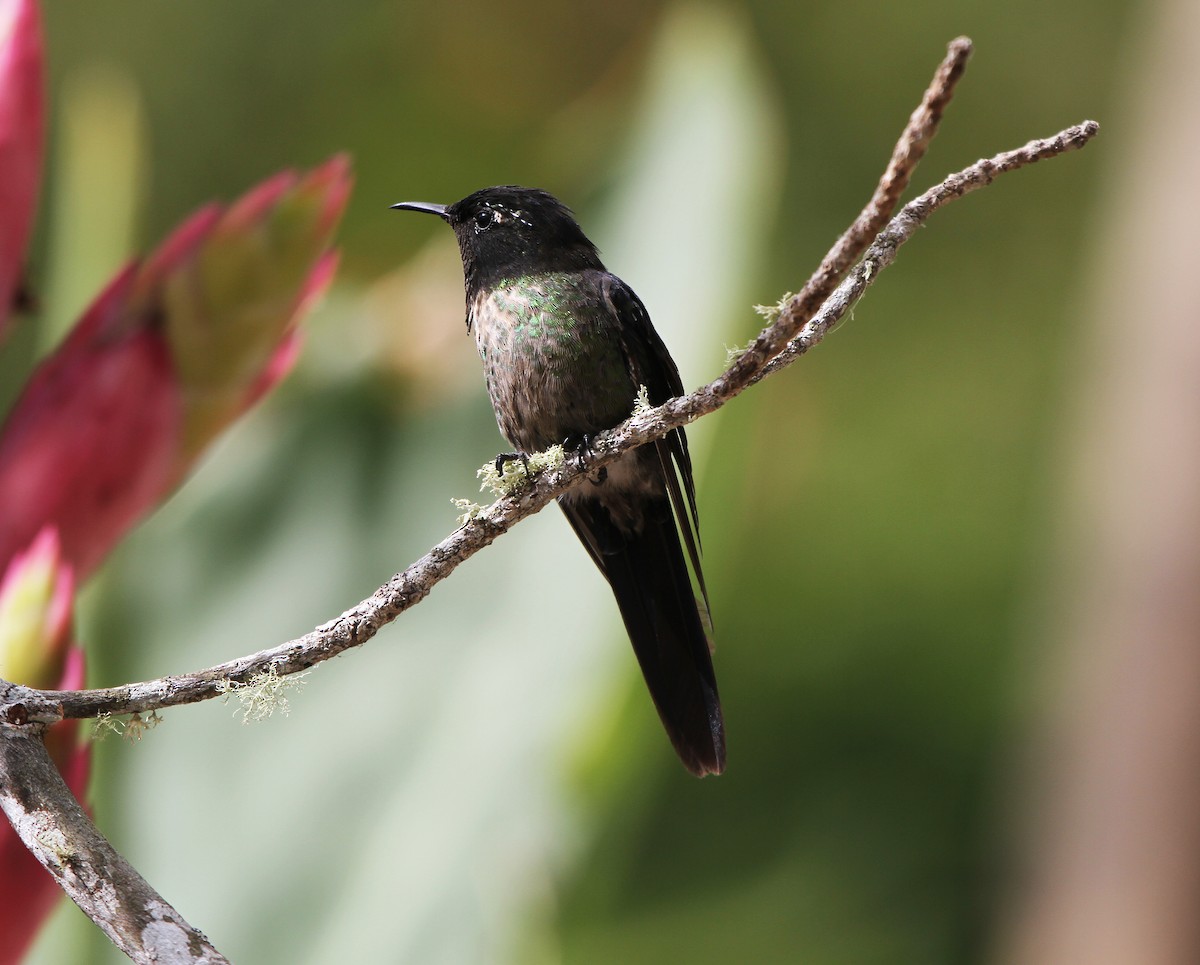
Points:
[(649, 578)]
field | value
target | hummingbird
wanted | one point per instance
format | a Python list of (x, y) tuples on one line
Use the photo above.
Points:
[(567, 347)]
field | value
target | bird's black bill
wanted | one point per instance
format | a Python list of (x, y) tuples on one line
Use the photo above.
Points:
[(426, 206)]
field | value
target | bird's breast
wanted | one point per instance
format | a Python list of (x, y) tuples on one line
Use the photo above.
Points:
[(552, 357)]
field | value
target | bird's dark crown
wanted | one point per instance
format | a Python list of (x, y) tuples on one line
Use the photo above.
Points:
[(507, 232)]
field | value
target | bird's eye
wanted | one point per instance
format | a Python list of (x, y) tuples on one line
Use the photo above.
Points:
[(484, 217)]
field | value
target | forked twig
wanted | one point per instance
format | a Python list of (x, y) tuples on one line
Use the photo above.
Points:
[(58, 832)]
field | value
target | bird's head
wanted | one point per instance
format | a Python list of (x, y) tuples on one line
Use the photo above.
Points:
[(506, 232)]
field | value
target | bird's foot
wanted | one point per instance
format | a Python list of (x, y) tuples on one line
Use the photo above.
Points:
[(502, 479), (505, 458), (582, 447)]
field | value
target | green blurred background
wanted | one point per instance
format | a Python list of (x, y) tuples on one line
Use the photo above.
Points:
[(487, 781)]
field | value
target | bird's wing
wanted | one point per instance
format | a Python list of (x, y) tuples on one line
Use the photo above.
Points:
[(651, 365)]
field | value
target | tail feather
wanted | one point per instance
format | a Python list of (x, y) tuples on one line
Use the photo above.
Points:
[(649, 578)]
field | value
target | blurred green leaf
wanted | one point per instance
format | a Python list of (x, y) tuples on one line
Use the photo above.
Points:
[(873, 518)]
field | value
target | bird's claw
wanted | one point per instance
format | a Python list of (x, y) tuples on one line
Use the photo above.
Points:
[(582, 446), (505, 458)]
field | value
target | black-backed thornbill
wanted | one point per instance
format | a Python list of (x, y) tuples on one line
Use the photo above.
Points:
[(566, 348)]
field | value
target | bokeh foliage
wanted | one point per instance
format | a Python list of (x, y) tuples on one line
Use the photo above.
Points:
[(873, 519)]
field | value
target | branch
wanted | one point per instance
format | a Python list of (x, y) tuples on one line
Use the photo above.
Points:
[(797, 329), (883, 249), (53, 826), (906, 155)]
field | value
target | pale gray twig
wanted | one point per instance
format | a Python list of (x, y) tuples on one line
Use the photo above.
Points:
[(52, 825), (792, 332), (110, 891)]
